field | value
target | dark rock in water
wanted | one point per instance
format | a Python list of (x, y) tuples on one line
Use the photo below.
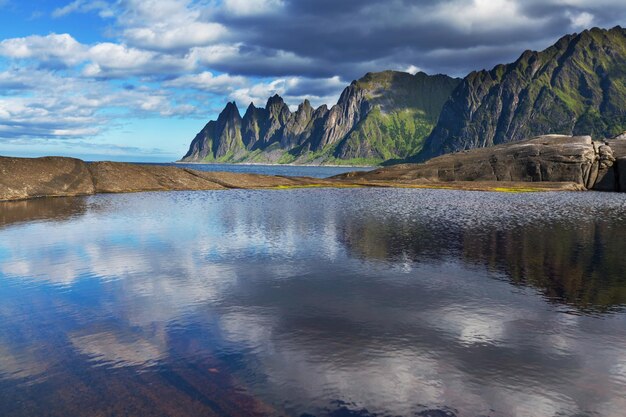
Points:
[(550, 158)]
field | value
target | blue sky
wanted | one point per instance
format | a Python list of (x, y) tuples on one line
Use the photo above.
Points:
[(136, 80)]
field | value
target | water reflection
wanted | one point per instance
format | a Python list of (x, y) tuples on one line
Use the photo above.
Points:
[(41, 209), (319, 302)]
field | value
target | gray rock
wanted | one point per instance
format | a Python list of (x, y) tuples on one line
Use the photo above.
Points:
[(604, 178)]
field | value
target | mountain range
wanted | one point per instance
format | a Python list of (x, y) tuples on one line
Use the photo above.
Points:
[(575, 87)]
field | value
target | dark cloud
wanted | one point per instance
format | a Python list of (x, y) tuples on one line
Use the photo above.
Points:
[(344, 37)]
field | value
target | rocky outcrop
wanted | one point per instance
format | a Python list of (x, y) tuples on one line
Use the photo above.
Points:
[(550, 158), (381, 116), (22, 178), (575, 87), (25, 178)]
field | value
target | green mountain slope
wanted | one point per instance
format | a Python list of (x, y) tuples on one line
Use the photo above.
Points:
[(577, 86)]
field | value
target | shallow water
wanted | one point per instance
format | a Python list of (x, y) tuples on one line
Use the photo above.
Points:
[(349, 302)]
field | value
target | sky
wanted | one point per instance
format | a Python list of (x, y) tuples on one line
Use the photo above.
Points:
[(135, 80)]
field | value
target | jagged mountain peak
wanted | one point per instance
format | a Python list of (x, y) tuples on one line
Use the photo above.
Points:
[(275, 100), (230, 110), (405, 107)]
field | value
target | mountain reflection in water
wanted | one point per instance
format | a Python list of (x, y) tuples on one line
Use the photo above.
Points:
[(348, 302)]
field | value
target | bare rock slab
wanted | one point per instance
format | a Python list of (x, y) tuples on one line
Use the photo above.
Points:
[(22, 178)]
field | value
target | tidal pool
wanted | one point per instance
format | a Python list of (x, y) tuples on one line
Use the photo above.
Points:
[(323, 302)]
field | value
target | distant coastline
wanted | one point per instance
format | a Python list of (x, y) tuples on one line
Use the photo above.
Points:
[(277, 165)]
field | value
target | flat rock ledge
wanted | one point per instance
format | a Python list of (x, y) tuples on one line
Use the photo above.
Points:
[(579, 161), (25, 178), (546, 163)]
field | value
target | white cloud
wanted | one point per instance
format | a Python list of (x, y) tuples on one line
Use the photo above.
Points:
[(167, 25), (259, 93), (206, 81), (252, 7), (117, 56), (294, 90), (169, 37), (412, 69), (62, 48), (82, 6), (481, 15), (111, 60), (61, 106), (582, 20)]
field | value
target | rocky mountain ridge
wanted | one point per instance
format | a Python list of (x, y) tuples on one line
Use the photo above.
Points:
[(378, 117), (575, 87)]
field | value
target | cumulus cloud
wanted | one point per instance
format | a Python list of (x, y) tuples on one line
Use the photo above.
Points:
[(53, 48), (207, 81), (581, 20), (171, 25), (55, 106)]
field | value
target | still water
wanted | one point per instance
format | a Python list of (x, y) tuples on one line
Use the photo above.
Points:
[(351, 302)]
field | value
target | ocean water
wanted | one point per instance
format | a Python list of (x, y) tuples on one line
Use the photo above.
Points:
[(314, 302), (289, 170)]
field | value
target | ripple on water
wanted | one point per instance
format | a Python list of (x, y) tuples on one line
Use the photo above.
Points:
[(351, 302)]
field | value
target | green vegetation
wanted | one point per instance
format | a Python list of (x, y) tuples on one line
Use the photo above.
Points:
[(388, 136)]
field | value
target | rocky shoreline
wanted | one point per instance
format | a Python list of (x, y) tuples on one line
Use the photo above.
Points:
[(545, 163), (25, 178)]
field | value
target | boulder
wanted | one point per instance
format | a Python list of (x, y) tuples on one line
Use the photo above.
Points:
[(604, 178)]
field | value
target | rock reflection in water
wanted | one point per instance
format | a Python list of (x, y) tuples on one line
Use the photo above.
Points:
[(41, 209), (319, 302)]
